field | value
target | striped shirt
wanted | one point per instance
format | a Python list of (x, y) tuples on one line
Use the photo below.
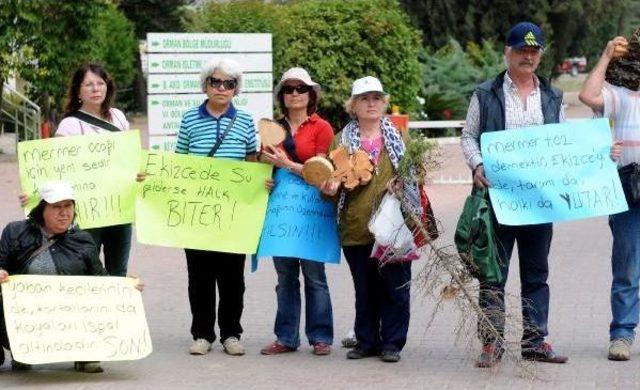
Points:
[(517, 114), (622, 106), (199, 132)]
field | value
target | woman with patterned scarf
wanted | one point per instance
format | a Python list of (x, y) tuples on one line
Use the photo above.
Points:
[(382, 291)]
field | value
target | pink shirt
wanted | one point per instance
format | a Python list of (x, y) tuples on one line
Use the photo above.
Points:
[(373, 147), (70, 126)]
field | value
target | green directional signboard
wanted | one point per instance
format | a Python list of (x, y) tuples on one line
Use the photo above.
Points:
[(193, 63), (190, 83), (174, 62), (165, 111), (163, 143), (207, 43)]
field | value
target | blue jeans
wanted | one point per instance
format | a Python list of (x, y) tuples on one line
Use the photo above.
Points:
[(534, 242), (115, 242), (382, 300), (318, 311), (625, 264)]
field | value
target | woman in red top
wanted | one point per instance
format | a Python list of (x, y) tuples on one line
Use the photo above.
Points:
[(308, 136)]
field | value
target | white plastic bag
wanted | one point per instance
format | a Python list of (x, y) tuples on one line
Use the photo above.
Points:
[(388, 226)]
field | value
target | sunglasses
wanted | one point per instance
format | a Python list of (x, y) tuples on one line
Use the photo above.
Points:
[(228, 84), (288, 89)]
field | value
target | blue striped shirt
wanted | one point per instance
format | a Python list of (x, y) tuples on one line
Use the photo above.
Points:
[(200, 130)]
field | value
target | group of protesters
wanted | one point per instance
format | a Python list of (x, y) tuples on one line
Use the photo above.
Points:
[(49, 242)]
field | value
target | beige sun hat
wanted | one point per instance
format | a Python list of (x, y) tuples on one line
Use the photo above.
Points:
[(296, 74)]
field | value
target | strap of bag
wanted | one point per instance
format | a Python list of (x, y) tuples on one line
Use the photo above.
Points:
[(43, 248), (92, 120), (221, 137), (482, 192), (289, 143)]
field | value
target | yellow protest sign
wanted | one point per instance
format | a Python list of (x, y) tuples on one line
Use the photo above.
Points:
[(101, 168), (201, 202), (74, 318)]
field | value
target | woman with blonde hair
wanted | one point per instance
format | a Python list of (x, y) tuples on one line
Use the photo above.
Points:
[(382, 290)]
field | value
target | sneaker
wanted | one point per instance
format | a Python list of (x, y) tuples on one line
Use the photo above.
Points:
[(349, 342), (233, 347), (88, 367), (360, 353), (19, 366), (542, 352), (490, 356), (276, 348), (390, 356), (620, 349), (200, 347), (321, 349)]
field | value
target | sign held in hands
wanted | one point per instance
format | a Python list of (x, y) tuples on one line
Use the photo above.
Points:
[(554, 172)]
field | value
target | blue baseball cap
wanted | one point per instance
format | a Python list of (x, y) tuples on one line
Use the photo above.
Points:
[(525, 34)]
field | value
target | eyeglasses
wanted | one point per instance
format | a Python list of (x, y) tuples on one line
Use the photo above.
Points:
[(92, 85), (227, 84), (302, 88)]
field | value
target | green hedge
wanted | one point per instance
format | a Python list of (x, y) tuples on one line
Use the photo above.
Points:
[(337, 41)]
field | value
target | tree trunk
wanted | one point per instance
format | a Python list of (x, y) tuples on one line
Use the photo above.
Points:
[(1, 92), (140, 87), (621, 22)]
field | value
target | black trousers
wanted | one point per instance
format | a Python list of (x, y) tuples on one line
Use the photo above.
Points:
[(4, 338), (206, 269), (382, 300)]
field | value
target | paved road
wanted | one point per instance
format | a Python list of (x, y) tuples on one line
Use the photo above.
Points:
[(432, 359)]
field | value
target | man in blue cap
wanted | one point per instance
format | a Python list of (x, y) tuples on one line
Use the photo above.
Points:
[(515, 98)]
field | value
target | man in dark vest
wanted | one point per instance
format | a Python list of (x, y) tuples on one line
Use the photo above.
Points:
[(515, 98)]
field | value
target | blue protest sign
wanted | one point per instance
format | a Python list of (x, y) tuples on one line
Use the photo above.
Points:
[(299, 222), (554, 172)]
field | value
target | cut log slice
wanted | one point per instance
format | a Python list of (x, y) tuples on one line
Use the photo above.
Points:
[(362, 167), (316, 170), (271, 132)]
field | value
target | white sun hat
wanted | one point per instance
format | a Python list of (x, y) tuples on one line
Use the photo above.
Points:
[(367, 84), (56, 191)]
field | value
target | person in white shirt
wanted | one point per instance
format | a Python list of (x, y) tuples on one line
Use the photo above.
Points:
[(621, 104), (89, 112)]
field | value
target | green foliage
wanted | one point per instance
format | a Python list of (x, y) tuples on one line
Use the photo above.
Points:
[(450, 75), (572, 27), (248, 16), (115, 46), (421, 157), (337, 41), (632, 18), (154, 15), (16, 34), (148, 16), (66, 34), (61, 43)]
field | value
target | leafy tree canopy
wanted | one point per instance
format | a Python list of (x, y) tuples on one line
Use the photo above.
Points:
[(337, 41)]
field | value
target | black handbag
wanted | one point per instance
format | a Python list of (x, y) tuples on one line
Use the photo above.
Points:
[(630, 180)]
